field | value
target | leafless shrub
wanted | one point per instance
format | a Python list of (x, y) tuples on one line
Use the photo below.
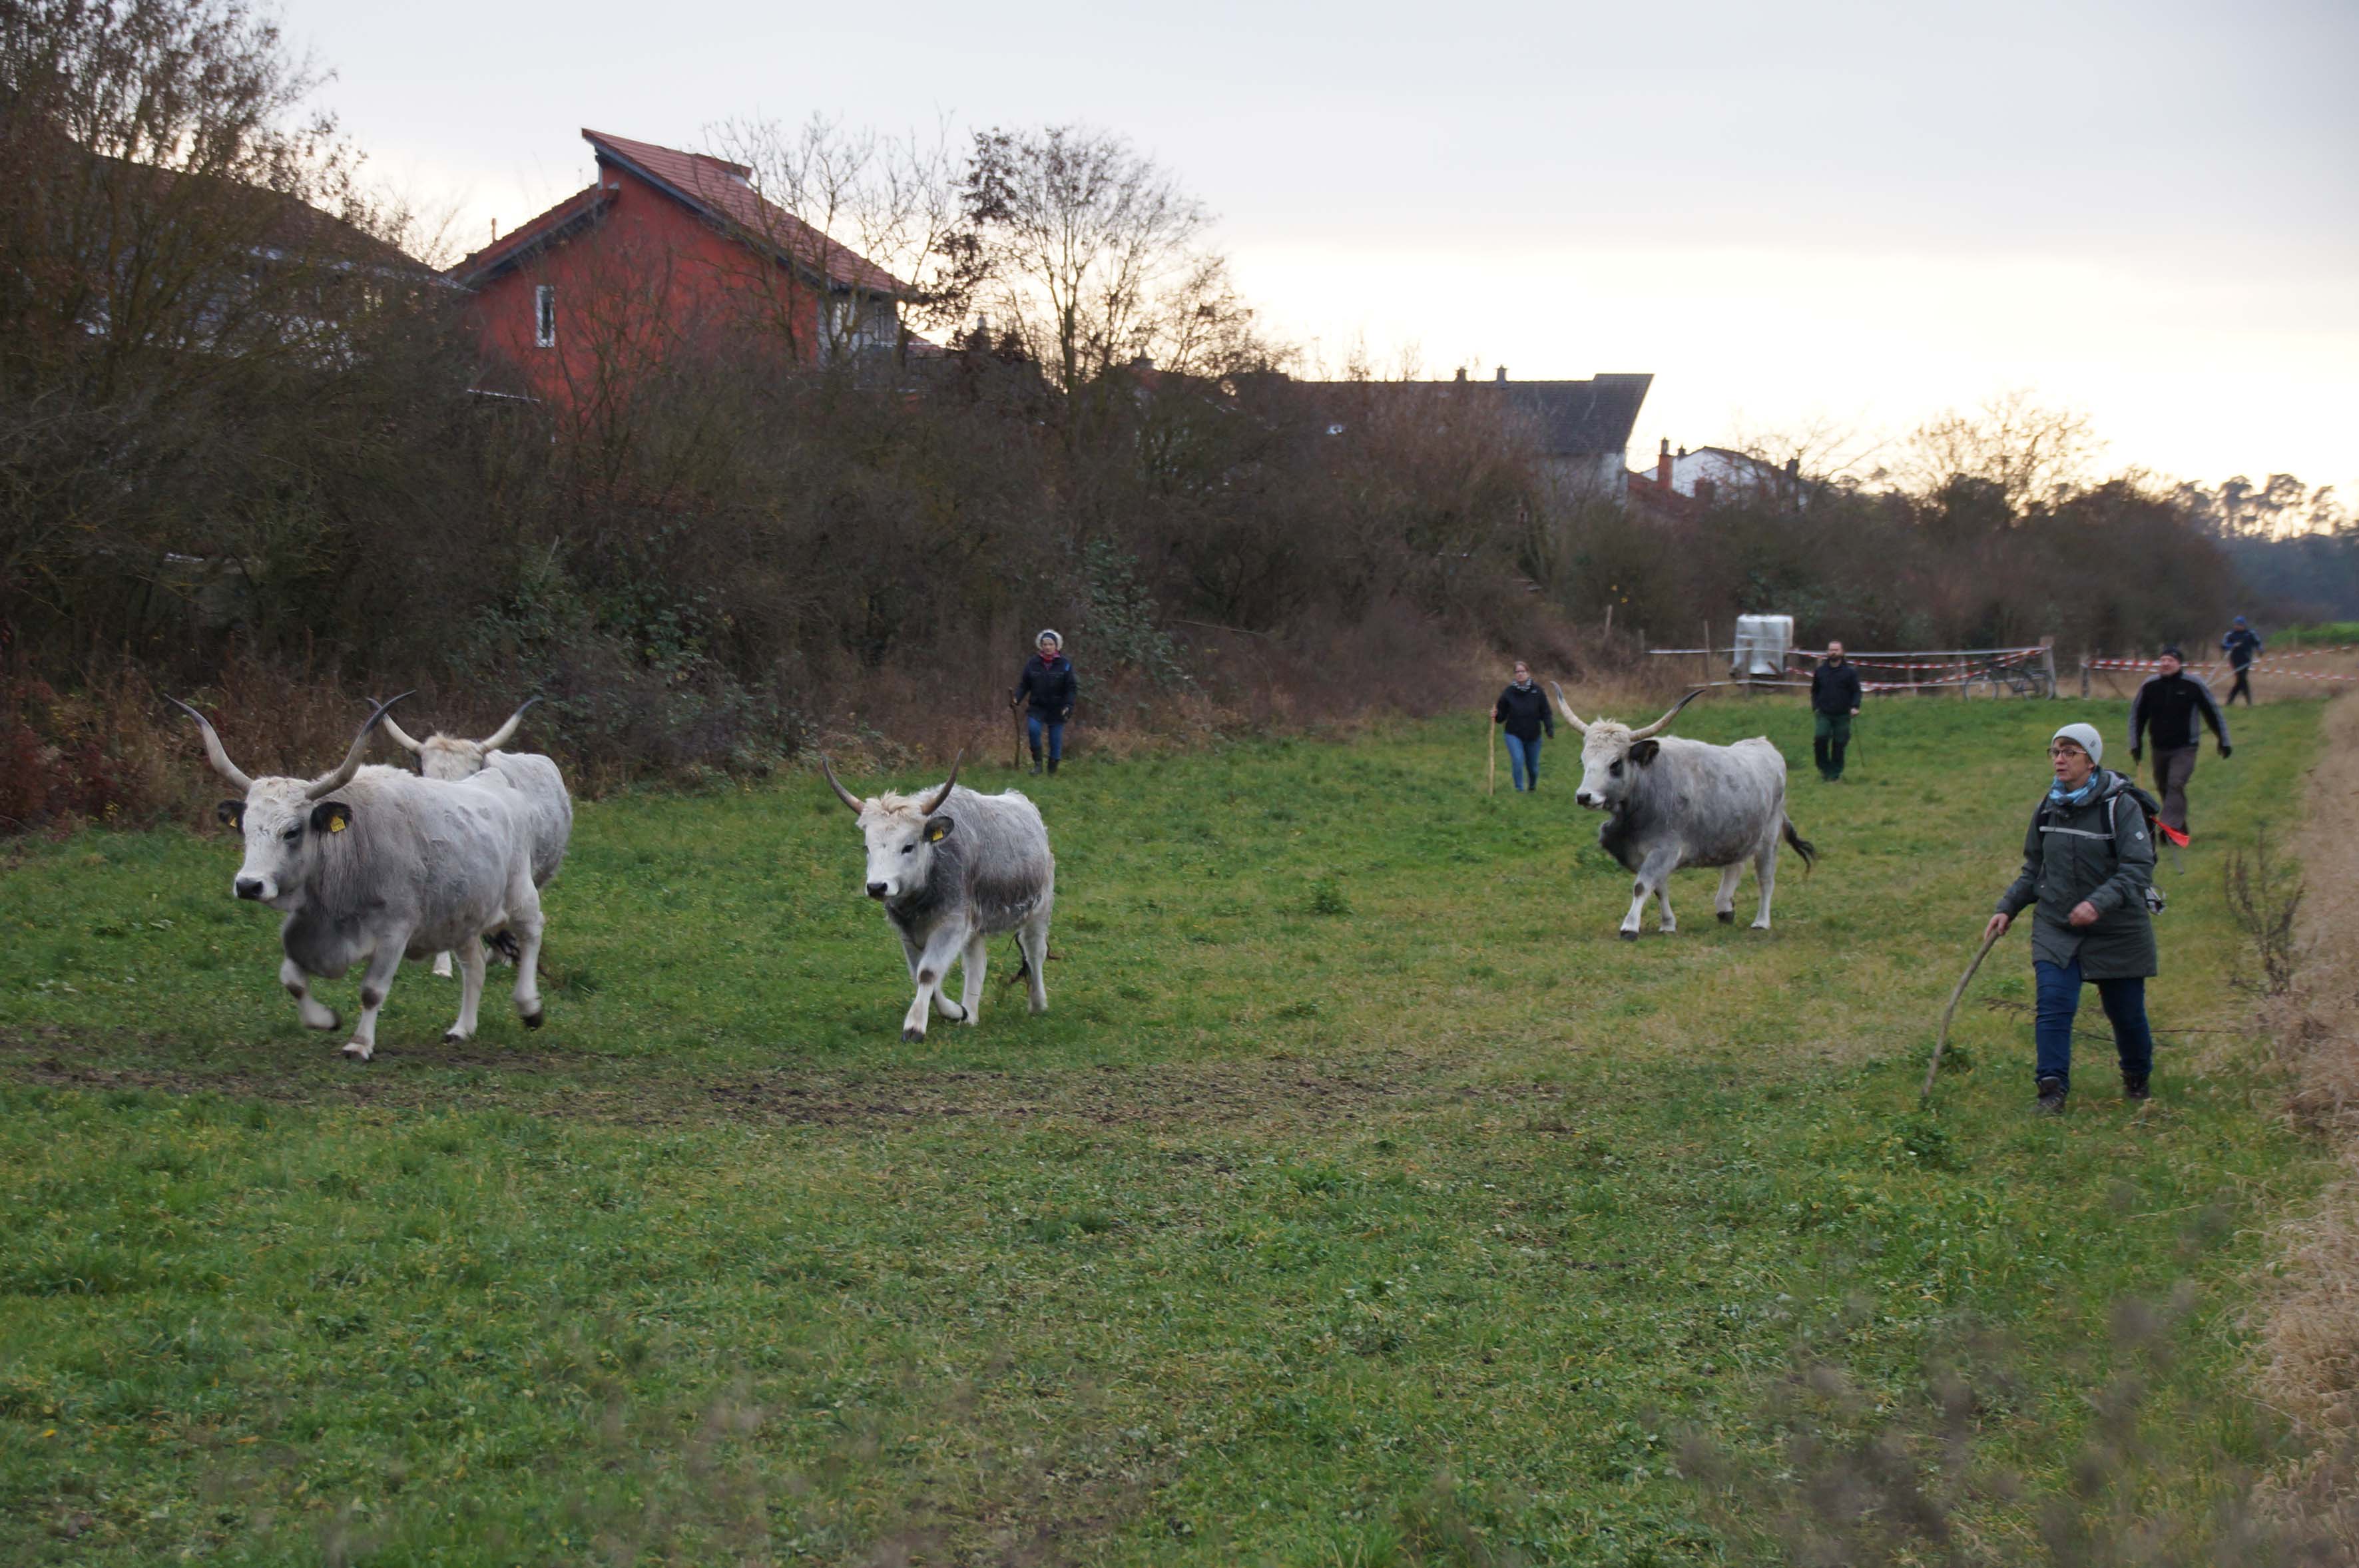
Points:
[(2265, 900)]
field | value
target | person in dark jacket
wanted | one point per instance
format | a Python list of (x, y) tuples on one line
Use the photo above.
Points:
[(1046, 691), (1522, 708), (1834, 703), (2174, 706), (2087, 863), (2241, 645)]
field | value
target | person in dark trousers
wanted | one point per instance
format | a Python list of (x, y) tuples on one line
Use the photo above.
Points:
[(1045, 692), (2087, 863), (2174, 706), (1523, 708), (1834, 703), (2241, 645)]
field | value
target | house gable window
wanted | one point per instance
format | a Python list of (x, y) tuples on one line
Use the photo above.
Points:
[(544, 316)]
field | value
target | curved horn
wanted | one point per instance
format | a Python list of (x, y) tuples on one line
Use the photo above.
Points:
[(1566, 709), (327, 783), (930, 807), (848, 797), (499, 737), (1667, 718), (213, 752), (397, 732)]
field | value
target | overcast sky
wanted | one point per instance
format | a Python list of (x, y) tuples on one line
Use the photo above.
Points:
[(1819, 212)]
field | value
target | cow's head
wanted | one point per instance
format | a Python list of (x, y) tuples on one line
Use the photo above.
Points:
[(453, 758), (901, 831), (285, 821), (1613, 754)]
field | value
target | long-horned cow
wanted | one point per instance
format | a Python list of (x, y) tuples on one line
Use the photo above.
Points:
[(548, 806), (374, 865), (1671, 802), (951, 869)]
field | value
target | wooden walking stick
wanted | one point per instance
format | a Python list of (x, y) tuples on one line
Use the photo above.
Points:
[(1491, 769), (1942, 1040), (1016, 714)]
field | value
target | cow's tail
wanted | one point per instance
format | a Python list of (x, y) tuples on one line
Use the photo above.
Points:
[(1802, 846)]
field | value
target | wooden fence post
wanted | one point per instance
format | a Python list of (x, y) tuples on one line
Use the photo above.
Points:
[(2047, 662)]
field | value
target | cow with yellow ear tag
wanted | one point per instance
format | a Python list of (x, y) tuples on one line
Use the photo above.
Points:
[(953, 868)]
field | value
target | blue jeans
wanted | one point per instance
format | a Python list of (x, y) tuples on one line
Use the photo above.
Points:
[(2060, 998), (1524, 761), (1034, 724)]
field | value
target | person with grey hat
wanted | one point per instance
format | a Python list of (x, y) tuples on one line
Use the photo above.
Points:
[(1047, 690), (2174, 706), (2088, 871)]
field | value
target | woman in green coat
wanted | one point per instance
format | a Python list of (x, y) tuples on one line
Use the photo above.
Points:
[(2088, 861)]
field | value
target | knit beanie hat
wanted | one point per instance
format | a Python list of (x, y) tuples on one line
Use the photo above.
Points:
[(2085, 736), (2170, 650), (1048, 634)]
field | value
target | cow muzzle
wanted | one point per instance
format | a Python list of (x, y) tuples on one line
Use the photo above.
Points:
[(878, 889), (253, 888), (1594, 802)]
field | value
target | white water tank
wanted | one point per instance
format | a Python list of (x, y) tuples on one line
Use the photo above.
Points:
[(1762, 642)]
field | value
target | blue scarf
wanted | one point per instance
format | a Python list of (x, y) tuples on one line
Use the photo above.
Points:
[(2058, 795)]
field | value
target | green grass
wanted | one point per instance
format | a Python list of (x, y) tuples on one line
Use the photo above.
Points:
[(1361, 1200)]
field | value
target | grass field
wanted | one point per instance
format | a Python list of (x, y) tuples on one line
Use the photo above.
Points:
[(1361, 1200)]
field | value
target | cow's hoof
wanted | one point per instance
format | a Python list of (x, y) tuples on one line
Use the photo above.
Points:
[(452, 1037), (335, 1021), (1728, 917), (1760, 925), (532, 1019), (358, 1051), (1629, 936), (912, 1036)]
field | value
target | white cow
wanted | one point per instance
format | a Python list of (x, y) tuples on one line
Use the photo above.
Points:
[(548, 806), (953, 868), (1674, 803), (371, 864)]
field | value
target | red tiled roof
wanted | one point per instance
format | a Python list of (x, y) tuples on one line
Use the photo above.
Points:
[(581, 204), (719, 188)]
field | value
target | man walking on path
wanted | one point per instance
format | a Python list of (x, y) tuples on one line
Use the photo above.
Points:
[(1523, 708), (2241, 645), (1834, 703), (2175, 706)]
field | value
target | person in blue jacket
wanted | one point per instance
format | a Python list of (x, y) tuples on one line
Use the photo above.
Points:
[(1046, 691), (2241, 645)]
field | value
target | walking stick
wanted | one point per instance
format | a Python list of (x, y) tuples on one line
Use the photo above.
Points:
[(1942, 1040), (1016, 714), (1491, 768)]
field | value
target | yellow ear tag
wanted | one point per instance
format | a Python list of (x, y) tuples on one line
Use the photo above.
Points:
[(335, 825)]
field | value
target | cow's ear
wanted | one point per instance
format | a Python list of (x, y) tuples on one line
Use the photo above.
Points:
[(938, 828), (331, 816), (1643, 752), (231, 813)]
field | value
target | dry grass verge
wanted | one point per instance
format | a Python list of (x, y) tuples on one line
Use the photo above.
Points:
[(2310, 1340)]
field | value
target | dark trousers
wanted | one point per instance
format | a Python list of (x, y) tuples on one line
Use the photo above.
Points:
[(1035, 724), (1829, 734), (2172, 770), (2244, 683), (2060, 998), (1524, 761)]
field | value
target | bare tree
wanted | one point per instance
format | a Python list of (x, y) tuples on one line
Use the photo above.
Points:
[(2028, 450), (835, 197), (1095, 257)]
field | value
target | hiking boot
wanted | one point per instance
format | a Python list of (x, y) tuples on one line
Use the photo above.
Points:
[(1053, 765), (2051, 1095), (2133, 1086), (1036, 767)]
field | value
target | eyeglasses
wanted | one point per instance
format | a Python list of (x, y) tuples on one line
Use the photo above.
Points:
[(2066, 751)]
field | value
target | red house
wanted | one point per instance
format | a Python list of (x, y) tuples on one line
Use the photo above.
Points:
[(666, 252)]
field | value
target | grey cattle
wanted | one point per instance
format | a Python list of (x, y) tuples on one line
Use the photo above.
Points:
[(548, 806), (953, 868), (1674, 803), (372, 864)]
